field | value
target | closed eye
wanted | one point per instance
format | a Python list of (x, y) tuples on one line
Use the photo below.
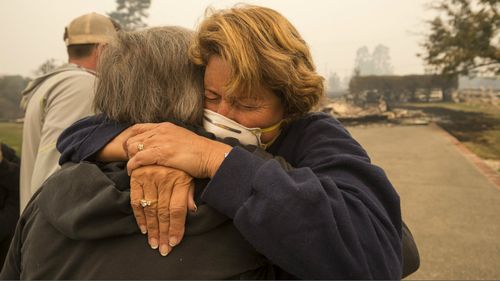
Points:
[(248, 107), (211, 96)]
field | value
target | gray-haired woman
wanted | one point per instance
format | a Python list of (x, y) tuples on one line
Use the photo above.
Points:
[(80, 225)]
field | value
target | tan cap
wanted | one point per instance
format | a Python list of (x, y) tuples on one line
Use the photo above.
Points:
[(88, 29)]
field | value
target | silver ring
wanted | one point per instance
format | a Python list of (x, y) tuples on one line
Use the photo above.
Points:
[(140, 147), (145, 203)]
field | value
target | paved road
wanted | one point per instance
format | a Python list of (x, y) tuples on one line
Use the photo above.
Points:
[(452, 209)]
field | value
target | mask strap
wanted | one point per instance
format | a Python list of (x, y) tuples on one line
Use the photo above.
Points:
[(272, 128)]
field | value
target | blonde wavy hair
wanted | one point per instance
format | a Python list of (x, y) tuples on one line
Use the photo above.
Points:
[(146, 76), (262, 48)]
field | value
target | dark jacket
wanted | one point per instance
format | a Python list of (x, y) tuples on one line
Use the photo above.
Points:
[(9, 198), (80, 226), (334, 216)]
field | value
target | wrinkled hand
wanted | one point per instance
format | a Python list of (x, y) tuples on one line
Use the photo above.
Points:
[(173, 146), (169, 193), (115, 149)]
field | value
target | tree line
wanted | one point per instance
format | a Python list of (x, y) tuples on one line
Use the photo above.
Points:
[(11, 87), (402, 88), (463, 39)]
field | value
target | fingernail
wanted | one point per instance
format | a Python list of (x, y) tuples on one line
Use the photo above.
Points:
[(153, 243), (164, 250), (172, 241), (143, 229)]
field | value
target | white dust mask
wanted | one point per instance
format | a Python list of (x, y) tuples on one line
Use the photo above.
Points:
[(224, 127)]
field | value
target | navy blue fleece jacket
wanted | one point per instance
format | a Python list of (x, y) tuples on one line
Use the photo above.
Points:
[(334, 216)]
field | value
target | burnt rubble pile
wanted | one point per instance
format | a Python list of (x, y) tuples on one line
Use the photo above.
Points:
[(375, 112)]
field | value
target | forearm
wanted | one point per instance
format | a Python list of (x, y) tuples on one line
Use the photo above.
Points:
[(114, 150), (305, 223), (85, 139), (88, 139)]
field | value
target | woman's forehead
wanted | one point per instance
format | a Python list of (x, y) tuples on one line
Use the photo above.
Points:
[(218, 76)]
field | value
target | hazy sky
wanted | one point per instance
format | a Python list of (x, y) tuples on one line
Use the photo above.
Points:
[(31, 30)]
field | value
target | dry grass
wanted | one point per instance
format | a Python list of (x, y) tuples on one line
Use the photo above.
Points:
[(11, 134)]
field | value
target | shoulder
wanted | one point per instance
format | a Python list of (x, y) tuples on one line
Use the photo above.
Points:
[(68, 69), (318, 123), (71, 74), (70, 83), (31, 209), (319, 136)]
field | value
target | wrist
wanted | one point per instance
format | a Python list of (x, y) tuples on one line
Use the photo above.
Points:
[(219, 152), (114, 150), (112, 153)]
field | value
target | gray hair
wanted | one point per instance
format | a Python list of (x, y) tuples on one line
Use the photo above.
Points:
[(146, 76)]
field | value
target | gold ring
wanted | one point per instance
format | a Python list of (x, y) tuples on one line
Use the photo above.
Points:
[(140, 147), (145, 203)]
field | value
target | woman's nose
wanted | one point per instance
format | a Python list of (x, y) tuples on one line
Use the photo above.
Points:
[(224, 109)]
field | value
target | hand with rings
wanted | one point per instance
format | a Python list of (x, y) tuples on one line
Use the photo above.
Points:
[(161, 216), (160, 197), (173, 146)]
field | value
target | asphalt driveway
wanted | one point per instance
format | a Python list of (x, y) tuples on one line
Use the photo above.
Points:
[(452, 208)]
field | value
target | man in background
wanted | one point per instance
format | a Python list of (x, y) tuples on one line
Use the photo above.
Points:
[(57, 99)]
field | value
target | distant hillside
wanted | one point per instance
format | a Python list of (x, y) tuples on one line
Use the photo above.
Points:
[(10, 96)]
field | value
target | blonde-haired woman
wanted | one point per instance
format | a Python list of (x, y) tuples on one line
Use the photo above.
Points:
[(330, 214)]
